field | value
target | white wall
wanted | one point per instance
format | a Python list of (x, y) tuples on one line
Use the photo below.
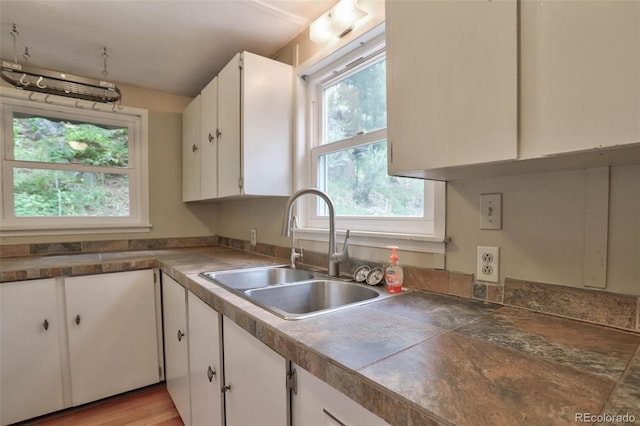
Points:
[(543, 235)]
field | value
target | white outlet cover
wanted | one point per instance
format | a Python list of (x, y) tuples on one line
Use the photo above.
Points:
[(493, 255)]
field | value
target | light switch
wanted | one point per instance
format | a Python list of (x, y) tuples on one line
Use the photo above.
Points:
[(491, 211)]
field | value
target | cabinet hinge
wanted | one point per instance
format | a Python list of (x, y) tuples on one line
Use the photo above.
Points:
[(241, 62), (240, 183), (155, 277), (160, 372), (292, 381)]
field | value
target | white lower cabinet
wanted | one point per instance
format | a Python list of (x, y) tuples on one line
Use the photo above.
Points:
[(317, 404), (176, 347), (205, 372), (69, 341), (255, 376), (30, 355), (113, 346)]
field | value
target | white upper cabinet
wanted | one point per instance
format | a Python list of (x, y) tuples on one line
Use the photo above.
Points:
[(451, 83), (580, 75), (245, 132), (484, 88), (208, 141), (191, 148), (255, 117)]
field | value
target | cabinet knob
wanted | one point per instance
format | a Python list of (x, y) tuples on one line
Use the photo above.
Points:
[(180, 336), (45, 324), (194, 148), (211, 138), (226, 388), (78, 319), (210, 373)]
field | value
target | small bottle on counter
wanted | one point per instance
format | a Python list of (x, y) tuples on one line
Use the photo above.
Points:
[(393, 272)]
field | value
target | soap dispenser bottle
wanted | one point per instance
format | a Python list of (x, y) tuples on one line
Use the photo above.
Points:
[(393, 272)]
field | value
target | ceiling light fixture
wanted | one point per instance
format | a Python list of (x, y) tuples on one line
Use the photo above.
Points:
[(336, 22)]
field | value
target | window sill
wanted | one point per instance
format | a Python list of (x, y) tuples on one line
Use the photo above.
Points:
[(409, 242)]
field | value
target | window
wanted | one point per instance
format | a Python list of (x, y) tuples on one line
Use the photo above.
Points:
[(69, 168), (346, 154)]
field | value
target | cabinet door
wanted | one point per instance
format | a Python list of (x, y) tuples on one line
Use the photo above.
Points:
[(318, 404), (256, 376), (451, 83), (229, 172), (30, 361), (582, 63), (204, 363), (176, 351), (113, 344), (191, 148), (209, 147), (267, 115)]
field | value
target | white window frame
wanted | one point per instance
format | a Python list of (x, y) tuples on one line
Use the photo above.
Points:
[(135, 119), (367, 231)]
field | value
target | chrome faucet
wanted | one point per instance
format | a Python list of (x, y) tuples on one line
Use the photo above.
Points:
[(335, 257)]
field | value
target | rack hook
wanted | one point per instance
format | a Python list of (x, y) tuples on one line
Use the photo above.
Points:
[(78, 105), (95, 107), (30, 97), (46, 99), (24, 83), (42, 86)]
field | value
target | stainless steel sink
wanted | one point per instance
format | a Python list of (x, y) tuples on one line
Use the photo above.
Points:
[(303, 299), (259, 277), (295, 293)]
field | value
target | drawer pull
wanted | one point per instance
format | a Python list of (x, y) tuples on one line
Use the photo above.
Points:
[(210, 373), (45, 324), (180, 336)]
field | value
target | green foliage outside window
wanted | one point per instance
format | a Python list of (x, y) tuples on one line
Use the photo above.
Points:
[(356, 178), (47, 192)]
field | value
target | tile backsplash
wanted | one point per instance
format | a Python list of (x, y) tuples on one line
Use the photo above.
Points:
[(593, 306)]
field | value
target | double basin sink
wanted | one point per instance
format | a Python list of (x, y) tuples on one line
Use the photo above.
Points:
[(295, 293)]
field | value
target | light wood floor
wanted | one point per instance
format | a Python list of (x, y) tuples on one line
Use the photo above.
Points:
[(151, 406)]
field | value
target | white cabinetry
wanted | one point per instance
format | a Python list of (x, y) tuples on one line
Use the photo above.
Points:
[(113, 345), (191, 149), (176, 348), (205, 372), (580, 75), (255, 379), (452, 83), (30, 355), (244, 136), (489, 88), (255, 116), (69, 341), (318, 404), (208, 141)]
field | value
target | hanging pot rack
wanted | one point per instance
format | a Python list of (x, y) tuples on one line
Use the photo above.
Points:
[(57, 83), (51, 82)]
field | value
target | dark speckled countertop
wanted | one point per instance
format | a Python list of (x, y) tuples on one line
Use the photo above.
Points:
[(418, 358)]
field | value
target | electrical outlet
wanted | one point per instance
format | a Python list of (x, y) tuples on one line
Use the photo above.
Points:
[(254, 237), (488, 264)]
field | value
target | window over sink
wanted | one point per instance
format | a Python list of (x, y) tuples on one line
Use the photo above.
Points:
[(345, 154)]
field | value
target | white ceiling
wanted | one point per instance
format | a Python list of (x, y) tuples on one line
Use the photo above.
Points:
[(174, 46)]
